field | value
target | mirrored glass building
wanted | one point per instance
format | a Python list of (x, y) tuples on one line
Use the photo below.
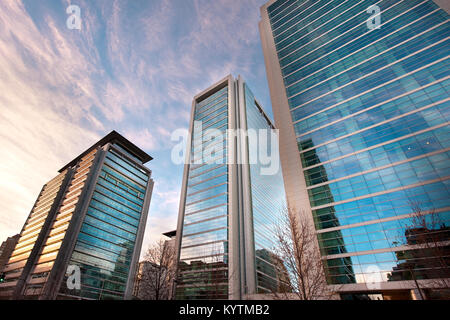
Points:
[(83, 237), (360, 92), (230, 200)]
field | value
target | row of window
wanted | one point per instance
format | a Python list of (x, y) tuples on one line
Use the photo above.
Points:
[(104, 198), (212, 99), (323, 30), (299, 13), (384, 155), (110, 258), (428, 168), (395, 56), (218, 128), (135, 171), (196, 170), (397, 79), (210, 122), (380, 235), (341, 59), (436, 115), (212, 236), (208, 183), (361, 118), (378, 54), (214, 110), (219, 170), (388, 266), (122, 180), (118, 198), (353, 34), (206, 214), (204, 226), (279, 6), (207, 203), (429, 196), (203, 250), (209, 145), (214, 191), (320, 12)]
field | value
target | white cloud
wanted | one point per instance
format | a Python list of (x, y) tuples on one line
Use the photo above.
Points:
[(142, 138), (37, 119), (133, 69), (163, 212)]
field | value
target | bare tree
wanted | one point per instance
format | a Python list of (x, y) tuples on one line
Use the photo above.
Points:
[(298, 253), (430, 259), (157, 272)]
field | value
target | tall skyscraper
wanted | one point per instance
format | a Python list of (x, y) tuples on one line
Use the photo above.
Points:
[(229, 204), (83, 237), (360, 92)]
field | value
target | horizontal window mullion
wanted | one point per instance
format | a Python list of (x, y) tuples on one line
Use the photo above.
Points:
[(204, 231), (216, 96), (296, 23), (300, 52), (364, 76), (353, 18), (209, 206), (123, 179), (370, 136), (121, 192), (287, 5), (290, 66), (116, 205), (118, 198), (208, 179), (361, 95), (126, 172), (214, 108), (292, 80)]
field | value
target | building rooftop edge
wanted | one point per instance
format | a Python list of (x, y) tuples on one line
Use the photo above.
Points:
[(170, 234), (221, 84), (267, 5), (113, 136), (206, 92)]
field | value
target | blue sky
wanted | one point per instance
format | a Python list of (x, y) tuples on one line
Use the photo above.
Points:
[(133, 67)]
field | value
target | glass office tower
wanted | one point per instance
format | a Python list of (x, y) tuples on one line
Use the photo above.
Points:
[(87, 221), (228, 204), (363, 112)]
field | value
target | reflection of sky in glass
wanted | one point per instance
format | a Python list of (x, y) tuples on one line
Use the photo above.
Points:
[(205, 225), (106, 240), (371, 119), (268, 198)]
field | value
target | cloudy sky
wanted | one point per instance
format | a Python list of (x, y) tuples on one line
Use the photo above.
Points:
[(133, 67)]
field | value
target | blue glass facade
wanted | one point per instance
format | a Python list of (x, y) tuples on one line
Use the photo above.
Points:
[(229, 207), (106, 241), (268, 203), (83, 237), (371, 116), (203, 266)]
